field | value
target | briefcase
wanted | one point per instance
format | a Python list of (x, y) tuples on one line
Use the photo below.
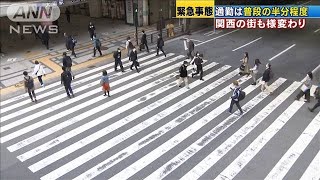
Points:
[(141, 46)]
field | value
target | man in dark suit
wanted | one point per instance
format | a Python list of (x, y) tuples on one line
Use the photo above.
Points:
[(144, 40)]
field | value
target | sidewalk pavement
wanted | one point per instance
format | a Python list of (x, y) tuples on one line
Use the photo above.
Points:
[(19, 55)]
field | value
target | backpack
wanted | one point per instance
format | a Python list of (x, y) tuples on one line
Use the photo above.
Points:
[(130, 45), (29, 83), (242, 95), (317, 93)]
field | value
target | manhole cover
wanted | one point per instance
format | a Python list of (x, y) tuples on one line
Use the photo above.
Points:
[(6, 68)]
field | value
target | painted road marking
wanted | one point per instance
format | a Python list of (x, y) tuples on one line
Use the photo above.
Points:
[(205, 139), (61, 96), (312, 172), (86, 104), (108, 163), (217, 37), (306, 2), (197, 171), (282, 52), (41, 164), (58, 83), (317, 30), (247, 44), (196, 40), (294, 152)]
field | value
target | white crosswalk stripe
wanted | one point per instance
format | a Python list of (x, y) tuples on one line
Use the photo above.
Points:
[(140, 122)]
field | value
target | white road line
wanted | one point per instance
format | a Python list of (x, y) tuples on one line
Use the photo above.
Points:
[(196, 40), (305, 3), (105, 146), (18, 98), (294, 152), (197, 171), (207, 33), (61, 96), (317, 30), (247, 44), (174, 163), (217, 37), (86, 104), (108, 163), (282, 52), (312, 172)]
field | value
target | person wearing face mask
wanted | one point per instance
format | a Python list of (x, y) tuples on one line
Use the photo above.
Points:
[(183, 75), (117, 60), (266, 77), (198, 62), (134, 59), (305, 88)]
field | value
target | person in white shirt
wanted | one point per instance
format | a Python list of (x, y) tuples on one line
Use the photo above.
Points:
[(39, 72), (255, 70)]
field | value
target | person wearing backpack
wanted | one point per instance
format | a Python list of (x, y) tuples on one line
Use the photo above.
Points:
[(29, 86), (236, 97), (134, 59), (117, 60), (96, 45), (39, 72), (266, 77), (104, 82), (129, 47), (66, 79), (317, 96), (198, 62), (67, 63), (183, 74), (160, 44), (305, 88)]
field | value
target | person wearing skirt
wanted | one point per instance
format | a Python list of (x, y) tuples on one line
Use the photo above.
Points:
[(105, 83)]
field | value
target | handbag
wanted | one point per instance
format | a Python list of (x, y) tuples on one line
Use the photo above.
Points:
[(242, 66), (142, 46)]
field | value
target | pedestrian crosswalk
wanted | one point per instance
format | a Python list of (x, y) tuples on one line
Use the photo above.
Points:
[(151, 129)]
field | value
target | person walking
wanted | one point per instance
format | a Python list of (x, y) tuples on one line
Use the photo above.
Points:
[(305, 88), (190, 49), (67, 12), (144, 41), (183, 74), (45, 39), (129, 47), (117, 60), (245, 68), (160, 44), (71, 43), (235, 98), (67, 63), (91, 29), (104, 82), (317, 96), (29, 86), (255, 70), (66, 79), (39, 72), (266, 77), (134, 59), (96, 45), (198, 62)]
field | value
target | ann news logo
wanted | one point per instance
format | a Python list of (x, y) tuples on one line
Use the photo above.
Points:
[(44, 13)]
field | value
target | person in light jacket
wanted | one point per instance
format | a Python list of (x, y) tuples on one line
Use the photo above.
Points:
[(39, 72), (235, 97), (255, 70), (104, 82), (317, 96), (305, 88), (245, 63), (190, 45), (266, 77)]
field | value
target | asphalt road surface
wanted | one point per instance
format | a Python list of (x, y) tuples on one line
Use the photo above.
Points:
[(151, 129)]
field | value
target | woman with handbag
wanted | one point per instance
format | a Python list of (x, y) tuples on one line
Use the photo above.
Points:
[(244, 68), (305, 88), (104, 82), (39, 72)]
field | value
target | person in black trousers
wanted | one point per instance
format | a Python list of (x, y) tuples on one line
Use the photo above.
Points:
[(134, 59), (45, 39), (67, 63), (235, 97), (68, 14), (160, 44), (198, 61), (91, 29), (96, 45), (190, 49), (117, 60), (70, 45), (144, 40), (29, 86), (66, 79), (317, 96)]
